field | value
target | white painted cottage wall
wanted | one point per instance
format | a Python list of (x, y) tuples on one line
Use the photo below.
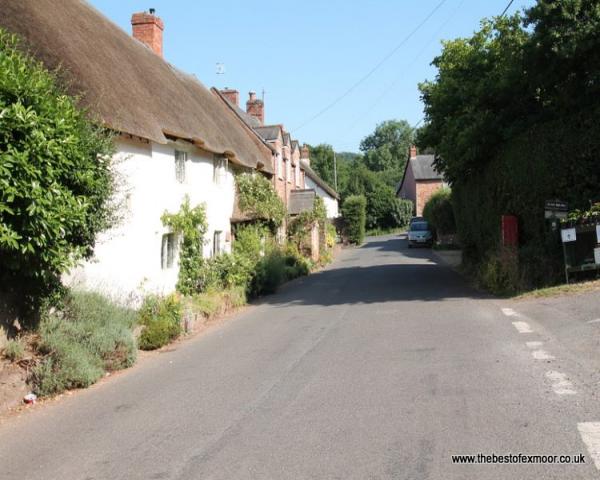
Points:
[(331, 203), (127, 258)]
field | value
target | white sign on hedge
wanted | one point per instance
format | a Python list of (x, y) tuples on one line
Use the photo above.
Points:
[(568, 235)]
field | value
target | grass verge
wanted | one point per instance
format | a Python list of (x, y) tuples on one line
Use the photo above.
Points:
[(558, 290)]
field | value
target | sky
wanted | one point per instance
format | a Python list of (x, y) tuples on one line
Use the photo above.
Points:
[(306, 55)]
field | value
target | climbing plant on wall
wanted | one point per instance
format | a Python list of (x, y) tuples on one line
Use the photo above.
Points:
[(190, 224)]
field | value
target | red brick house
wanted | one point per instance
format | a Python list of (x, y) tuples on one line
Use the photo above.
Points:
[(420, 180)]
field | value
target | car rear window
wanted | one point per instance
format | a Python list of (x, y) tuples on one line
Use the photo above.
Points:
[(419, 227)]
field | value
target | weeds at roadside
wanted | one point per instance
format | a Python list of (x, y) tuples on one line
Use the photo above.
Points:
[(14, 350)]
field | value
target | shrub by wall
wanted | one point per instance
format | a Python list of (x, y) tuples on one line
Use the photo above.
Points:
[(354, 213), (161, 318)]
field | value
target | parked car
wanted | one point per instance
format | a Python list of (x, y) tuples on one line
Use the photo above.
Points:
[(414, 220), (419, 233)]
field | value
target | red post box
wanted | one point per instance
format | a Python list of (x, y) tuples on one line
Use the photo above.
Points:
[(510, 231)]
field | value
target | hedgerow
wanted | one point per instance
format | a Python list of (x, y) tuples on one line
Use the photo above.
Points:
[(513, 116)]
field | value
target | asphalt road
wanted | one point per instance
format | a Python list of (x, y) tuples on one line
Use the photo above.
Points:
[(382, 366)]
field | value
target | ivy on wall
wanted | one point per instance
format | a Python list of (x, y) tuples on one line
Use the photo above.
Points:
[(190, 224)]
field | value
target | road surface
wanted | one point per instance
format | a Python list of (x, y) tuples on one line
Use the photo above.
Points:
[(382, 366)]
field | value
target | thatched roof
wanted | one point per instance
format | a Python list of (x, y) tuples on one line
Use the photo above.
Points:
[(124, 83)]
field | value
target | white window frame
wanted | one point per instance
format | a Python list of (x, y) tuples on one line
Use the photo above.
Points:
[(168, 251), (217, 241), (180, 161), (219, 169)]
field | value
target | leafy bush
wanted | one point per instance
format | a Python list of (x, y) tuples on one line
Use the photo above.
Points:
[(354, 213), (270, 272), (296, 265), (14, 350), (161, 317), (230, 270), (88, 336), (55, 176), (438, 211), (250, 241), (404, 211)]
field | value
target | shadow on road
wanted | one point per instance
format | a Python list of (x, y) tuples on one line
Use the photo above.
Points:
[(382, 270)]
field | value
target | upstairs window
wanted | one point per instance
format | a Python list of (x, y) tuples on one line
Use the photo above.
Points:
[(298, 174), (167, 251), (219, 169), (180, 158), (279, 166)]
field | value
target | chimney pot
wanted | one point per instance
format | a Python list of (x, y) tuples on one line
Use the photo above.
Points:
[(148, 29), (413, 151), (255, 107), (232, 95)]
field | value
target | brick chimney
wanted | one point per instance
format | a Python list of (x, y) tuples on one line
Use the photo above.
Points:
[(255, 107), (305, 153), (413, 151), (148, 29), (232, 95)]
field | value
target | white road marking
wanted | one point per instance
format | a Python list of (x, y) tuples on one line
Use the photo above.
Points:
[(509, 312), (522, 327), (594, 321), (534, 344), (560, 384), (590, 434), (542, 355)]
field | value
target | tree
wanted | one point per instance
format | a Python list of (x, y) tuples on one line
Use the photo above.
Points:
[(321, 161), (55, 176), (563, 54), (386, 149), (380, 198), (479, 97)]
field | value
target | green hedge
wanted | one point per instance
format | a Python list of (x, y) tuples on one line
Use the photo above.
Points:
[(354, 214), (439, 212), (558, 159)]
